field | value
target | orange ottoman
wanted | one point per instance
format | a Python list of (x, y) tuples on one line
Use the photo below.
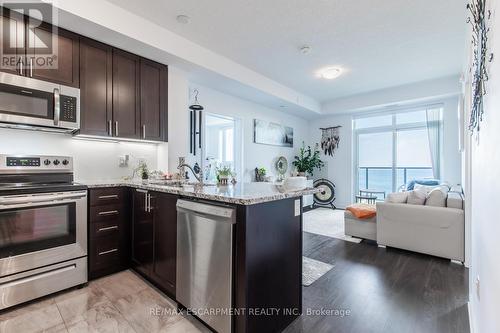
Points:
[(361, 227)]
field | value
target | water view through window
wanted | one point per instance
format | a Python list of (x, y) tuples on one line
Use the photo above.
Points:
[(392, 150)]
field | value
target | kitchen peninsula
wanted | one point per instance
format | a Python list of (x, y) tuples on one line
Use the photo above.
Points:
[(257, 276)]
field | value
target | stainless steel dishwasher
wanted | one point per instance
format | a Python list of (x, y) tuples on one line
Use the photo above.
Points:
[(204, 261)]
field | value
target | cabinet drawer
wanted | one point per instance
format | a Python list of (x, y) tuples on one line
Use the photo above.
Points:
[(105, 252), (107, 196), (105, 228), (107, 213)]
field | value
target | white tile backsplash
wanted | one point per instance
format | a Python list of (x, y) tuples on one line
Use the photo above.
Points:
[(93, 160)]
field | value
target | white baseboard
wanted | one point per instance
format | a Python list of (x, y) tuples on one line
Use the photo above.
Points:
[(471, 323)]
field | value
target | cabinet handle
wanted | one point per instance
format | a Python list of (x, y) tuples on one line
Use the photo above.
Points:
[(112, 196), (111, 212), (108, 228), (108, 252), (149, 203), (116, 128), (143, 131), (110, 128), (21, 63), (31, 67)]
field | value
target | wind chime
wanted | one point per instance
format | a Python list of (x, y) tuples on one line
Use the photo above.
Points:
[(330, 139), (196, 112)]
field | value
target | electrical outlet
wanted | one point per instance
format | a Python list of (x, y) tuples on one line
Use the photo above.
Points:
[(478, 288), (123, 161)]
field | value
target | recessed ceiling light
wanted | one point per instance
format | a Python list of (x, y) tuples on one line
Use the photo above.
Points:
[(183, 19), (330, 73), (306, 49)]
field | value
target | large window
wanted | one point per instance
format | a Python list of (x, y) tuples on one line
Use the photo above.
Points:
[(391, 149)]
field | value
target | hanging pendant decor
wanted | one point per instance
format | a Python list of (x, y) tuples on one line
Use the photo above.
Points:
[(478, 18), (195, 113), (330, 139)]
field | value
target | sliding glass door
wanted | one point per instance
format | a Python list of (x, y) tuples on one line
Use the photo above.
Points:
[(375, 161), (391, 149)]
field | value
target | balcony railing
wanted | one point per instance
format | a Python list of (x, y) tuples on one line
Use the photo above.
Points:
[(380, 178)]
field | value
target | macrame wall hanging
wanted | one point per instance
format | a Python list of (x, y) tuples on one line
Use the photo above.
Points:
[(478, 18), (330, 139)]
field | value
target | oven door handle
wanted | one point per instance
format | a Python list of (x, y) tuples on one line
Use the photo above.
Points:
[(41, 198)]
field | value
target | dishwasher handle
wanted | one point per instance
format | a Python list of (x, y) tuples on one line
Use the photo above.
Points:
[(206, 209)]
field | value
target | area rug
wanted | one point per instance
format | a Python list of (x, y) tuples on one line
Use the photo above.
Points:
[(313, 270), (327, 222)]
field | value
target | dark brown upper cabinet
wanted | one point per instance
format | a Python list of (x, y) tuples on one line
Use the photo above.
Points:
[(122, 95), (96, 102), (126, 95), (67, 45), (154, 103), (39, 50), (13, 49)]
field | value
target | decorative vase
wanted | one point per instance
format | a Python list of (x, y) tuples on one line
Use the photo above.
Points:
[(223, 180)]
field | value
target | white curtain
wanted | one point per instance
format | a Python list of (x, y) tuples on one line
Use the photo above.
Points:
[(434, 133)]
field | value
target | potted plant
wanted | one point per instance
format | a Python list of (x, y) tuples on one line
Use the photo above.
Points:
[(260, 174), (223, 174), (143, 171), (308, 160)]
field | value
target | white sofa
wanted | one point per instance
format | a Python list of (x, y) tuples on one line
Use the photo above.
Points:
[(438, 231)]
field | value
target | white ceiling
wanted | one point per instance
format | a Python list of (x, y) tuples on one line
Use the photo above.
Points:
[(380, 43)]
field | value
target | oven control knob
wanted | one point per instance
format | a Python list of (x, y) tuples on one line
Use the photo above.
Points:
[(46, 162), (65, 162), (56, 162)]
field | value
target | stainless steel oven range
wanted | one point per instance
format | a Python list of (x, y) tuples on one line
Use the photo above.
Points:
[(43, 228)]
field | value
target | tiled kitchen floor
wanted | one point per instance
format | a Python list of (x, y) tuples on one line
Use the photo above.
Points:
[(118, 303)]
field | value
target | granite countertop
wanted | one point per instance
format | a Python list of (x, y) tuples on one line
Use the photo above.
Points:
[(240, 194)]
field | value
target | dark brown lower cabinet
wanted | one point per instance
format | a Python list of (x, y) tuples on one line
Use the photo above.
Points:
[(142, 233), (154, 238), (108, 231), (165, 241)]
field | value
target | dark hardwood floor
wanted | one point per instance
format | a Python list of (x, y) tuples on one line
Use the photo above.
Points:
[(385, 290)]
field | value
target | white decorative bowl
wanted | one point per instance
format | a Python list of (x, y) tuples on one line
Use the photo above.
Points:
[(294, 183)]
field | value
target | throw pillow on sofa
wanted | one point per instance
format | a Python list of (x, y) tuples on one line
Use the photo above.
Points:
[(397, 197), (416, 197), (428, 188), (437, 198)]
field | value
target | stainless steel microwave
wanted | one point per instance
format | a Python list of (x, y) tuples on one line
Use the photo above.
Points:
[(34, 104)]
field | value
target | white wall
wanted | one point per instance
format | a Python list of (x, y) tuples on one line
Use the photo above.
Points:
[(485, 303), (253, 154), (94, 160), (178, 120), (339, 167)]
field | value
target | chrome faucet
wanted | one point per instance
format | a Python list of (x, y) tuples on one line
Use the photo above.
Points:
[(196, 170)]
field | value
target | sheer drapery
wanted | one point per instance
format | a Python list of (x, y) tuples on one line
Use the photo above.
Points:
[(433, 117)]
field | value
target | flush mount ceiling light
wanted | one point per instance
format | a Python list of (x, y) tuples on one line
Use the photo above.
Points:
[(306, 49), (183, 19), (330, 73)]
